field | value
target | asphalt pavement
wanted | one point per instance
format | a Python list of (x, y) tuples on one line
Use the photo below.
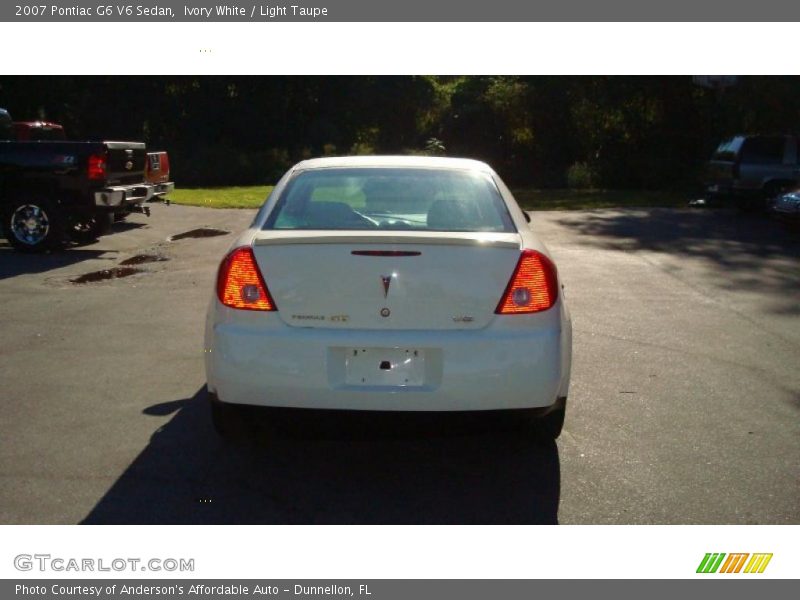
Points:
[(684, 405)]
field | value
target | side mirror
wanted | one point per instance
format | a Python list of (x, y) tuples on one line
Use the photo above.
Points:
[(527, 216)]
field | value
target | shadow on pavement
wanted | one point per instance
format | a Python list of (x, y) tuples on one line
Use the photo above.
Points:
[(128, 226), (749, 251), (475, 475), (13, 263)]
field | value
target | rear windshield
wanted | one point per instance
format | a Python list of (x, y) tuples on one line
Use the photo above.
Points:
[(399, 198), (728, 149)]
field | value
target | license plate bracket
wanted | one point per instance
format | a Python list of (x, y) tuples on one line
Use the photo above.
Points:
[(398, 367)]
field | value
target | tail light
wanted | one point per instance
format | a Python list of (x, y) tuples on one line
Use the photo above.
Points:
[(533, 286), (240, 284), (96, 169), (165, 163)]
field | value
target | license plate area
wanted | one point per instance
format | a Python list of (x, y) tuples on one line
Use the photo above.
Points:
[(397, 367)]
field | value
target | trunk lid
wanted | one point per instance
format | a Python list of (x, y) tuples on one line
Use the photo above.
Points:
[(405, 281)]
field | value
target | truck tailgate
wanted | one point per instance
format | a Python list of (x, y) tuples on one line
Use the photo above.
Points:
[(125, 162)]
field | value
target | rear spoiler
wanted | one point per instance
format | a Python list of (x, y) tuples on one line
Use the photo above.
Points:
[(445, 238)]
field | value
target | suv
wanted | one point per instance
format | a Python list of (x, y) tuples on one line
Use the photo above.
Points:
[(751, 169)]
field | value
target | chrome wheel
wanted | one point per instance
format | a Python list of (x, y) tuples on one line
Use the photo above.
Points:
[(30, 224)]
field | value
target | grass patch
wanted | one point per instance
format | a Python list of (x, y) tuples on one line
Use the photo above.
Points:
[(224, 197), (532, 199), (528, 198)]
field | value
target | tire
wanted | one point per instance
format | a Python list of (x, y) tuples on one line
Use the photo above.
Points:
[(547, 427), (87, 228), (33, 223), (228, 420)]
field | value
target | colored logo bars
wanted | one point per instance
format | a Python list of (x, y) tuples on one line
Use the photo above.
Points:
[(733, 563)]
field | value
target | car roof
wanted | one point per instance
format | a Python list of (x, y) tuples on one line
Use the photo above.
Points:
[(426, 162)]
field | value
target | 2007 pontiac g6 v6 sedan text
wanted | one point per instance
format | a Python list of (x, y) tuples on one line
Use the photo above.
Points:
[(389, 284)]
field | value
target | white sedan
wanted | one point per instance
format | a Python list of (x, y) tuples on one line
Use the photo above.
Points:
[(389, 284)]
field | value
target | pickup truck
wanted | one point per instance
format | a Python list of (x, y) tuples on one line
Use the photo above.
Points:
[(156, 170), (54, 191), (156, 173)]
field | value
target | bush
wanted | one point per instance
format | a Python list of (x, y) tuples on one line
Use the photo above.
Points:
[(581, 176), (362, 148)]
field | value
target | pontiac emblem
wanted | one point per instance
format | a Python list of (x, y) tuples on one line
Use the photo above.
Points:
[(387, 281)]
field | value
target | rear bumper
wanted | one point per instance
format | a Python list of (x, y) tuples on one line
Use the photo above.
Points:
[(121, 196), (499, 367), (162, 189), (296, 416), (733, 193)]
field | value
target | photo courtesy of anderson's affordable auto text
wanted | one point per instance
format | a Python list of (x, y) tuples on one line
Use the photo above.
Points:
[(187, 589), (373, 300)]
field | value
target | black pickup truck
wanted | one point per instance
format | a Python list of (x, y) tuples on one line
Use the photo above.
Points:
[(53, 191)]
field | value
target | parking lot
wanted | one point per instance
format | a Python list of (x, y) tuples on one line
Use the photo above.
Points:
[(684, 405)]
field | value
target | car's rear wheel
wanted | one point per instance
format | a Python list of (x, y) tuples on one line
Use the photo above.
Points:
[(549, 425), (33, 224), (228, 419)]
